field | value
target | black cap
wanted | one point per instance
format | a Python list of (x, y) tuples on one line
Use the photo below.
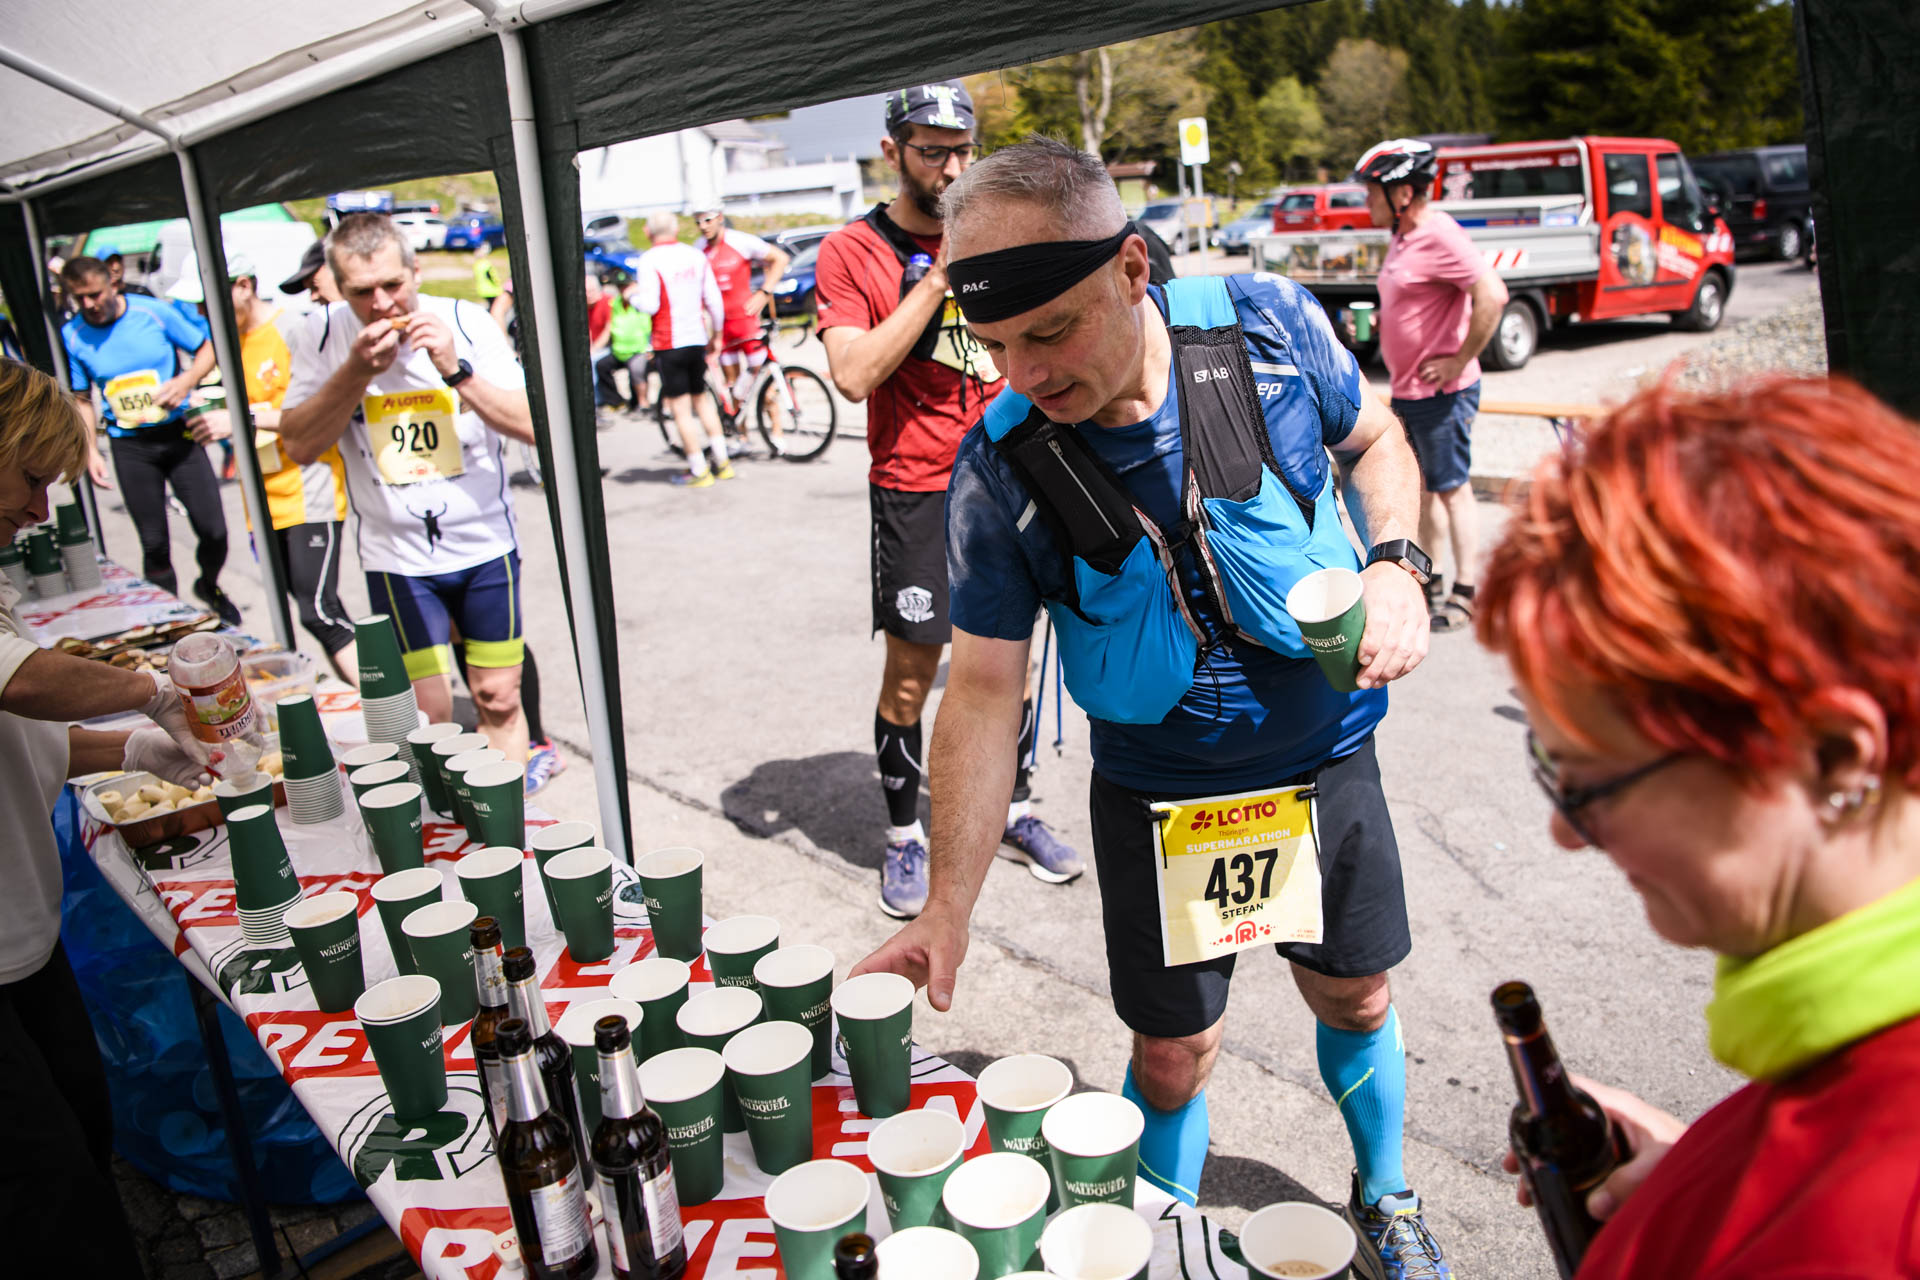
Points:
[(944, 105), (610, 1034), (310, 262), (511, 1037), (516, 963)]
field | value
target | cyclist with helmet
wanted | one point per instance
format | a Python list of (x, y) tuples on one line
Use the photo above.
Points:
[(1439, 304)]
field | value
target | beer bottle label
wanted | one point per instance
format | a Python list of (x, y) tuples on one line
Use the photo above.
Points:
[(560, 1213), (663, 1212)]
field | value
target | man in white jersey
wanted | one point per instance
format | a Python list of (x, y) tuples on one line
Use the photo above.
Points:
[(421, 393), (674, 285)]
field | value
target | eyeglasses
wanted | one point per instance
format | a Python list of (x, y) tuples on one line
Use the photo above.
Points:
[(707, 217), (1569, 801), (936, 157)]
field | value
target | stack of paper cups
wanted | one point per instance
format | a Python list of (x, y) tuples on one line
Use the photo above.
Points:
[(43, 564), (76, 548), (13, 559), (264, 885), (386, 693), (312, 781)]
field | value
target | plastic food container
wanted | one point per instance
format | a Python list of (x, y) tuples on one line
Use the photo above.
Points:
[(165, 826), (273, 674)]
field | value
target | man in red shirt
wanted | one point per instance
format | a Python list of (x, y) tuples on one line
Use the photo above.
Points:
[(1439, 304), (895, 340), (733, 255)]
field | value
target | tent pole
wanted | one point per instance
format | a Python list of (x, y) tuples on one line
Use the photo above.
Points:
[(83, 484), (213, 281), (565, 481)]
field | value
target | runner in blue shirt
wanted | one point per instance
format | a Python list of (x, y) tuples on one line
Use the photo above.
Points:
[(128, 350), (1054, 284)]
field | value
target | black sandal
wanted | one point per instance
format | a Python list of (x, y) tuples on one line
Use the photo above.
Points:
[(1455, 613)]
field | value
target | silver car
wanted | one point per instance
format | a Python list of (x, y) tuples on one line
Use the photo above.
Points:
[(1164, 217), (1232, 238)]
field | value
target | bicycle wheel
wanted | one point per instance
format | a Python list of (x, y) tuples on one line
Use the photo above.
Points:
[(811, 414), (796, 334), (657, 407)]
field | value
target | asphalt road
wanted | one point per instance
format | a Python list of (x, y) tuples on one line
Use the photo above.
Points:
[(747, 678)]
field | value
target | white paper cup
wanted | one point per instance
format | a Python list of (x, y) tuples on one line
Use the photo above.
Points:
[(927, 1253), (737, 934), (666, 863), (767, 1048), (1097, 1242), (564, 835), (402, 885), (439, 918), (872, 996), (372, 753), (998, 1190), (483, 864), (576, 1024), (379, 774), (679, 1074), (916, 1143), (321, 908), (1025, 1082), (396, 999), (650, 979), (578, 864), (719, 1012), (793, 966), (816, 1198), (1298, 1233), (1093, 1124)]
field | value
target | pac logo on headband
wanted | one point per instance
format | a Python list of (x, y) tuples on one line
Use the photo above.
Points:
[(991, 287)]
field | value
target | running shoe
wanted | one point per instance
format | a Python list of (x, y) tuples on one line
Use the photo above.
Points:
[(726, 472), (544, 764), (903, 879), (688, 480), (210, 594), (1394, 1241), (1049, 858)]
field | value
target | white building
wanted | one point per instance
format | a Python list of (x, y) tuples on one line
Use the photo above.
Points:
[(743, 165)]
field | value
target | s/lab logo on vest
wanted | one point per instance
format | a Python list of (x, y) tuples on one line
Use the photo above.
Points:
[(914, 604), (450, 1142)]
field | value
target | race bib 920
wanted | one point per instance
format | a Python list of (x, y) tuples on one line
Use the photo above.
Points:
[(413, 434)]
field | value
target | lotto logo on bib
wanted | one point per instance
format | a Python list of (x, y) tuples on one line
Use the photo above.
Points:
[(914, 604)]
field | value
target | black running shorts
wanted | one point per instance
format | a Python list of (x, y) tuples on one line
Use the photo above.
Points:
[(1362, 901), (910, 565), (683, 370)]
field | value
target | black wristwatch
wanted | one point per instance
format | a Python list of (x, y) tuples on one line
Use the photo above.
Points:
[(1405, 553), (465, 371)]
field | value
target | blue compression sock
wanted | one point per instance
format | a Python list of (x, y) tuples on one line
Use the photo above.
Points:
[(1366, 1072), (1173, 1147)]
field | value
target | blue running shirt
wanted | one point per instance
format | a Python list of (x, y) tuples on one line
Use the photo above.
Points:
[(145, 339), (1253, 717)]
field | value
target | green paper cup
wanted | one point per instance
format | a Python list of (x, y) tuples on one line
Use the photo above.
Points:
[(1297, 1241), (42, 558), (437, 939), (1097, 1242), (928, 1253), (492, 880), (670, 882), (70, 522), (576, 1028), (457, 770), (401, 1018), (812, 1205), (1093, 1143), (239, 793), (1332, 614), (999, 1203), (264, 885), (876, 1026), (710, 1019), (558, 838), (383, 670), (659, 986), (379, 774), (304, 750), (582, 882), (685, 1087), (1016, 1093), (797, 982), (736, 944), (914, 1153), (769, 1069), (497, 794), (372, 753), (326, 933), (444, 752), (398, 896), (1362, 320), (392, 815), (420, 745)]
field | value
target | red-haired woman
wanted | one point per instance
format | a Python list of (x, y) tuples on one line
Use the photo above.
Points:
[(1712, 611)]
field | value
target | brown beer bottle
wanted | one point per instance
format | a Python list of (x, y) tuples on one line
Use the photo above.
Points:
[(1565, 1142), (544, 1188), (484, 934), (637, 1199), (549, 1050), (854, 1258)]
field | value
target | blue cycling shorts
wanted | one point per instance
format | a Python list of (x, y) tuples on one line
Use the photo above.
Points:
[(482, 603)]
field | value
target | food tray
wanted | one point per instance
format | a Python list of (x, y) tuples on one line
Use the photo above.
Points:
[(158, 636), (166, 826), (273, 674)]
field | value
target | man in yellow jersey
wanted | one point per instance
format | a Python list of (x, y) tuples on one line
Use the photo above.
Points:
[(307, 504)]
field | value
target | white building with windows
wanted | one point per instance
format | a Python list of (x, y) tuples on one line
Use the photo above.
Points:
[(744, 165)]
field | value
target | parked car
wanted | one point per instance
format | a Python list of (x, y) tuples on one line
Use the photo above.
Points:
[(417, 206), (1164, 216), (1337, 206), (794, 296), (613, 253), (1763, 195), (1232, 238), (423, 231), (469, 230), (795, 239)]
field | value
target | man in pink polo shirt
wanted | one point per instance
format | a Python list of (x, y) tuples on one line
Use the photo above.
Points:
[(1439, 304)]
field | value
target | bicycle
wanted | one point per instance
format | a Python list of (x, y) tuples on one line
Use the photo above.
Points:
[(798, 393)]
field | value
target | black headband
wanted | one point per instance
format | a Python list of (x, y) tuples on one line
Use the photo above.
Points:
[(991, 287)]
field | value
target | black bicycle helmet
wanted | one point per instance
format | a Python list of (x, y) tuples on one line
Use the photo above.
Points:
[(1396, 160)]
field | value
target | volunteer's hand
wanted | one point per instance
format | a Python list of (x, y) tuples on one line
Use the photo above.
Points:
[(429, 333), (927, 952), (1649, 1133), (151, 751), (173, 391), (375, 348), (1441, 370), (212, 425), (165, 709), (1395, 641)]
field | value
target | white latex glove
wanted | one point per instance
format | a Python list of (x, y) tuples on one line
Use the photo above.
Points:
[(152, 751), (165, 709)]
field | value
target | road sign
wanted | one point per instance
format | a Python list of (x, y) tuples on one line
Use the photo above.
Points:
[(1193, 140)]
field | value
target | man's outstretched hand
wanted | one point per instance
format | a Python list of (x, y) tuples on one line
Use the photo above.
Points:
[(927, 952)]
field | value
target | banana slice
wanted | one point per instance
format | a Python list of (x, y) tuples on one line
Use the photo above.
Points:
[(271, 763), (153, 792), (110, 800), (165, 806)]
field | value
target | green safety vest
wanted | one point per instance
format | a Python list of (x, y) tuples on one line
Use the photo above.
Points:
[(630, 330), (486, 279)]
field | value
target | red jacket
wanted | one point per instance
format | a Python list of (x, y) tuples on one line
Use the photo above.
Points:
[(1816, 1177)]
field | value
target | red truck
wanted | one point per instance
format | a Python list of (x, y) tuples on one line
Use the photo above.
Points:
[(1580, 229)]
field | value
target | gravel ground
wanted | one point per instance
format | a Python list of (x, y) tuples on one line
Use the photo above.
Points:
[(1791, 340)]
